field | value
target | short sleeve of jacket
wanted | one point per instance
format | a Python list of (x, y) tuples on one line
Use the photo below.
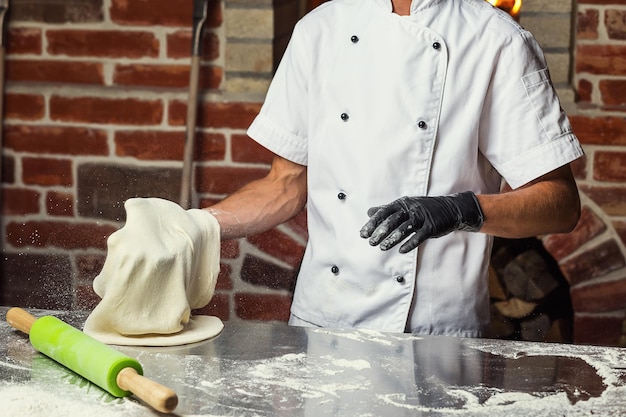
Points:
[(282, 124), (524, 132)]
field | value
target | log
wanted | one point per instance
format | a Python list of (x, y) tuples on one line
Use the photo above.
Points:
[(527, 277), (529, 297), (496, 290), (515, 308)]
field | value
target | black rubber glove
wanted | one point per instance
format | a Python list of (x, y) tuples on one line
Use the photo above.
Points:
[(422, 217)]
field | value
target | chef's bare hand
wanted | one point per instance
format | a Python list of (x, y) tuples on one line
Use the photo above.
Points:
[(421, 218)]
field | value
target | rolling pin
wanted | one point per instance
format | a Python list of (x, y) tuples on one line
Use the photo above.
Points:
[(106, 367)]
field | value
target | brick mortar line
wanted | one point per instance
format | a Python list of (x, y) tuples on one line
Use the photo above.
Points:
[(111, 60), (181, 93), (602, 7), (250, 41), (120, 91), (103, 26), (284, 228), (166, 128), (230, 164), (613, 276), (610, 148), (601, 42), (49, 250), (597, 111), (609, 234), (607, 314), (253, 5), (596, 183), (539, 15), (69, 220)]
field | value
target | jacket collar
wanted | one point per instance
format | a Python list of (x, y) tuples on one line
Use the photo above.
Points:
[(416, 5)]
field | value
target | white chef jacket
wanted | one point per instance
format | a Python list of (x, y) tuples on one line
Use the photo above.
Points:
[(452, 98)]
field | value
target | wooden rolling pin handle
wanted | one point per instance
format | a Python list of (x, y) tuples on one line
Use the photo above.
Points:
[(154, 394), (20, 319)]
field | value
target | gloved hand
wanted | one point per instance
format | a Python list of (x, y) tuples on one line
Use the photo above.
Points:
[(162, 264), (423, 217)]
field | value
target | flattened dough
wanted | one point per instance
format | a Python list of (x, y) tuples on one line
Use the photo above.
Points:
[(198, 329)]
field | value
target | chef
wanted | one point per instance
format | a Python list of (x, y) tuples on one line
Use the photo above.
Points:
[(395, 123)]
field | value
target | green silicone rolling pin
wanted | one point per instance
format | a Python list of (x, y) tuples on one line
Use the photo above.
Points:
[(106, 367)]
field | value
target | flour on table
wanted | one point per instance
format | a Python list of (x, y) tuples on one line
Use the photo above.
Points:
[(27, 401), (160, 266)]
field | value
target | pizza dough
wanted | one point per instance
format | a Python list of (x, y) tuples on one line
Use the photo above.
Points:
[(160, 266), (198, 328)]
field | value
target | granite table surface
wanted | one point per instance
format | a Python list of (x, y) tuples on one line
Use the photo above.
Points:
[(259, 369)]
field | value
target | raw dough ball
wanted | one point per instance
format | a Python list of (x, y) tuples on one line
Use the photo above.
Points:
[(162, 264)]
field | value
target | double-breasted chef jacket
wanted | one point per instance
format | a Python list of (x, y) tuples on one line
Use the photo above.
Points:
[(453, 98)]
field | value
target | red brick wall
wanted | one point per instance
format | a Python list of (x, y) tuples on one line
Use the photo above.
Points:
[(95, 109), (593, 257)]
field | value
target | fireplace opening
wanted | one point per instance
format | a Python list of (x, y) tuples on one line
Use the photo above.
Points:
[(530, 296)]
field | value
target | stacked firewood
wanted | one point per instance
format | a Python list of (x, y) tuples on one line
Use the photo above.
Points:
[(530, 297)]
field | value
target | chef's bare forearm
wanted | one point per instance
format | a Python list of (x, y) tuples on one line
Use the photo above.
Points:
[(264, 203), (547, 205)]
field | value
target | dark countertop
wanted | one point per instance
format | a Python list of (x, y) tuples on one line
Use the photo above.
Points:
[(255, 369)]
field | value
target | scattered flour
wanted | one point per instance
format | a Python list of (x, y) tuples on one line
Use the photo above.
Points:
[(13, 366), (357, 364), (279, 379), (329, 379), (604, 360), (28, 401), (364, 335)]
